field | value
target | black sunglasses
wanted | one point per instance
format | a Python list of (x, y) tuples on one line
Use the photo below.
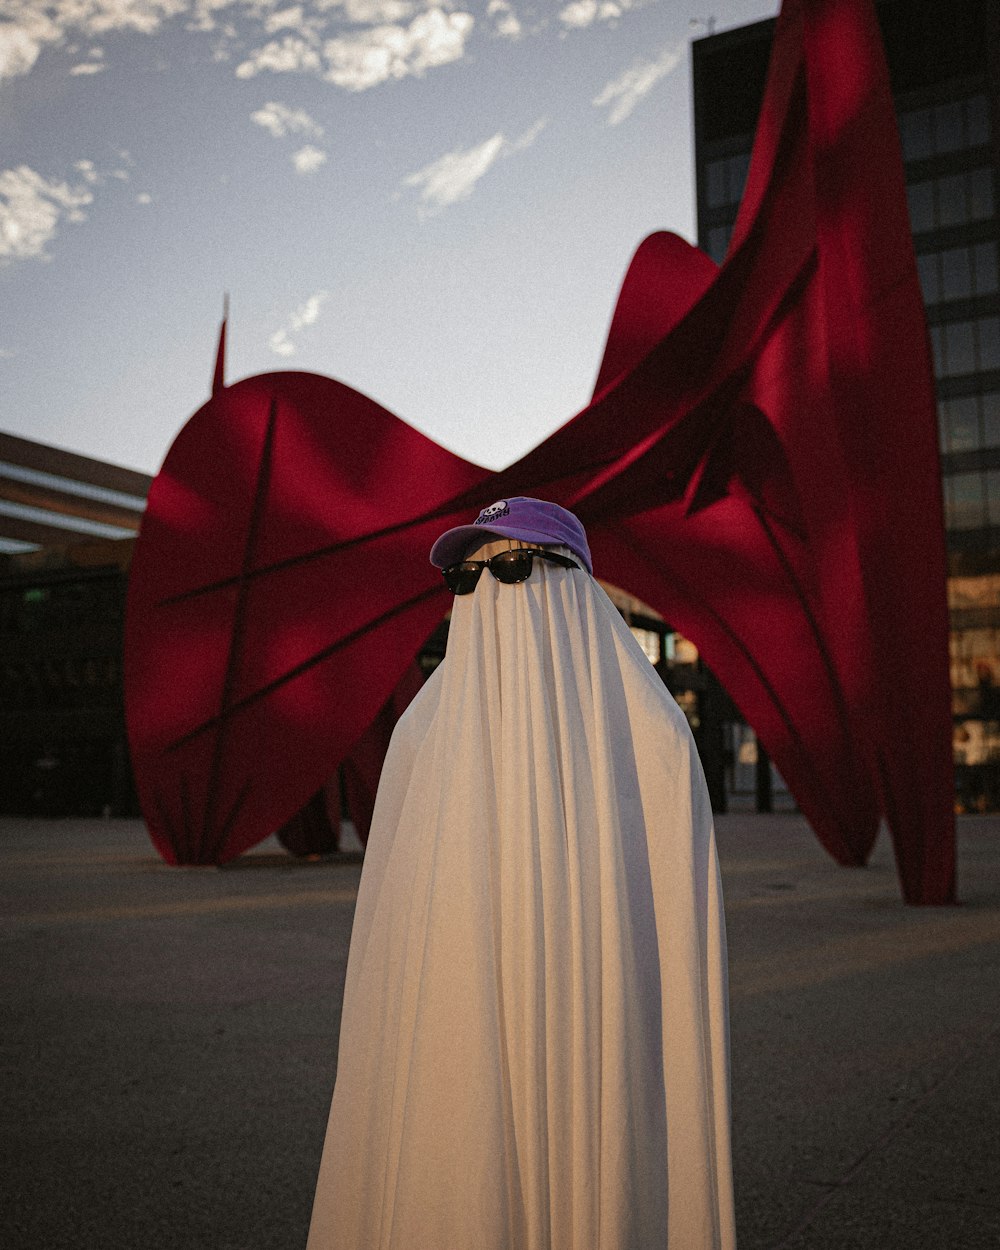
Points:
[(508, 567)]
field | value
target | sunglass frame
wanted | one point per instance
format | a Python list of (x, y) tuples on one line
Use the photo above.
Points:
[(474, 568)]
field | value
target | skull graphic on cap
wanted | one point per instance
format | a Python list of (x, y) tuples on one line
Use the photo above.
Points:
[(493, 512)]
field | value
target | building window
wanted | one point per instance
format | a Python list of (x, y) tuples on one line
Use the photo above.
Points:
[(920, 197), (725, 180), (977, 120), (970, 422), (959, 348), (715, 184), (952, 200), (993, 496), (990, 401), (937, 349), (962, 347), (718, 242), (980, 194), (989, 342), (947, 127), (916, 133), (928, 270), (949, 130), (739, 168), (963, 501), (960, 424), (958, 272), (985, 268)]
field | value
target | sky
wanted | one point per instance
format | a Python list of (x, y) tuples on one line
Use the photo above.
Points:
[(432, 202)]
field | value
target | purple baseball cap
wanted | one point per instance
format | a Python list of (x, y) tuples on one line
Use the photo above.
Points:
[(528, 520)]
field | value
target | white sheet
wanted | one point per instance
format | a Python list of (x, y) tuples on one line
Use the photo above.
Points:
[(534, 1041)]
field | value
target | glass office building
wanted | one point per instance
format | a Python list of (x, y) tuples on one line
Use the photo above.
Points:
[(944, 63)]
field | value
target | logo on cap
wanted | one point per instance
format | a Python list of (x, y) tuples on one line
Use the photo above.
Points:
[(493, 513)]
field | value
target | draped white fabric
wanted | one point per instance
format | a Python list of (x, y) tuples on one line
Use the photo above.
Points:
[(534, 1040)]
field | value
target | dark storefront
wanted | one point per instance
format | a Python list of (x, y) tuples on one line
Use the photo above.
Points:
[(62, 730)]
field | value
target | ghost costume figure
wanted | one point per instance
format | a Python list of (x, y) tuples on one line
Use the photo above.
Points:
[(534, 1039)]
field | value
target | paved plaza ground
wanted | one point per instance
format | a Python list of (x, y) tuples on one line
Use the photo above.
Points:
[(169, 1038)]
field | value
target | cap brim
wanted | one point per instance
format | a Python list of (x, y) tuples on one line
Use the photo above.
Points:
[(454, 545)]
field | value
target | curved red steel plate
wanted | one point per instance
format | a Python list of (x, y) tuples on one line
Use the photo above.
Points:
[(759, 463)]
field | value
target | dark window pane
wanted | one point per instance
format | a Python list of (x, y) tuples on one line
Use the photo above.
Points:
[(963, 424), (715, 183), (952, 210), (989, 343), (920, 197), (993, 497), (977, 121), (948, 127), (984, 267), (942, 409), (959, 350), (739, 166), (956, 273), (980, 194), (937, 347), (927, 268), (915, 134), (966, 490), (718, 242), (991, 418)]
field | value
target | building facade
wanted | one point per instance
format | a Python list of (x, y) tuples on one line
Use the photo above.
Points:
[(944, 65), (67, 530)]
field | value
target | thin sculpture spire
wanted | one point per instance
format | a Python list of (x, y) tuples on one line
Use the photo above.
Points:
[(219, 376)]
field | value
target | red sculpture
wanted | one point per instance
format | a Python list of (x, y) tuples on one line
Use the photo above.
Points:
[(759, 463)]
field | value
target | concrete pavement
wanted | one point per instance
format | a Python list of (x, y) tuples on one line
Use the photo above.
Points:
[(168, 1043)]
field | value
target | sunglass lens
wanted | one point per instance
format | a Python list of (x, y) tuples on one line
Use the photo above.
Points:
[(511, 566), (461, 579)]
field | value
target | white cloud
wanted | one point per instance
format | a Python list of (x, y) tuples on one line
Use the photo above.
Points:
[(505, 20), (31, 210), (580, 13), (293, 18), (19, 51), (528, 138), (281, 344), (375, 12), (280, 56), (355, 44), (453, 177), (308, 159), (95, 177), (281, 120), (29, 26), (306, 314), (144, 198), (203, 16), (622, 94), (87, 171), (367, 58)]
